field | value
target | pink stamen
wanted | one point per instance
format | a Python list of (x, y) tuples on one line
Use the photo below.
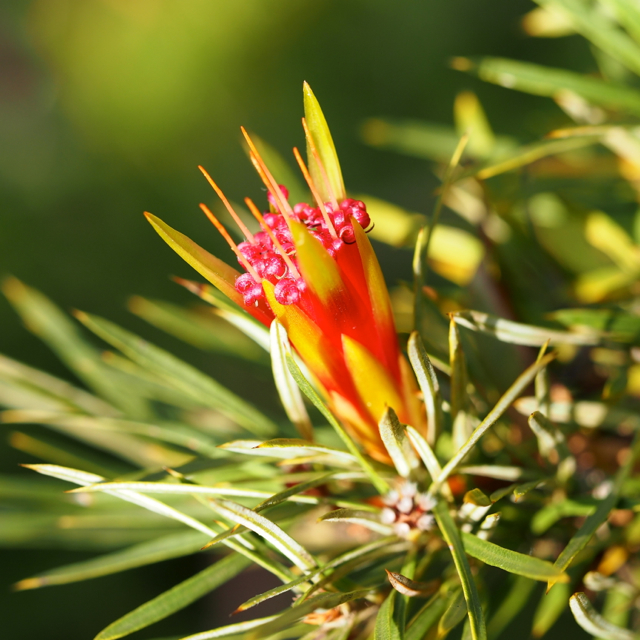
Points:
[(287, 291), (314, 192), (223, 232), (258, 216), (247, 234), (266, 176)]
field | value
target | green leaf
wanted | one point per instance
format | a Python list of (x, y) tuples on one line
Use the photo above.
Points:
[(497, 471), (477, 497), (507, 399), (429, 385), (550, 608), (229, 311), (453, 615), (176, 598), (80, 425), (418, 138), (181, 375), (84, 479), (589, 22), (296, 451), (425, 452), (231, 629), (396, 444), (378, 482), (628, 14), (387, 627), (452, 536), (323, 142), (592, 622), (171, 546), (518, 333), (470, 116), (459, 374), (53, 327), (351, 559), (49, 389), (363, 518), (217, 272), (548, 515), (511, 561), (510, 606), (202, 328), (425, 618), (288, 390), (267, 530), (548, 81)]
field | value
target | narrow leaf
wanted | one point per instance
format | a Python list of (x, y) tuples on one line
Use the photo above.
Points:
[(201, 327), (518, 596), (139, 555), (592, 622), (267, 530), (217, 272), (549, 81), (425, 618), (396, 443), (509, 396), (588, 21), (387, 627), (231, 629), (176, 598), (363, 518), (429, 386), (459, 374), (452, 537), (85, 479), (518, 333), (552, 605), (511, 561), (61, 334), (180, 374)]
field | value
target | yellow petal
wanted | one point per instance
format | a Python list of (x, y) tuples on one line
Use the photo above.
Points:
[(304, 334), (373, 383), (323, 142), (217, 272), (318, 268)]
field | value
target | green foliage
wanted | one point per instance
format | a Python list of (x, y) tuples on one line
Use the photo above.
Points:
[(503, 488)]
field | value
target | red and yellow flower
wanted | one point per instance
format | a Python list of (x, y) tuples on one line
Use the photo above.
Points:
[(313, 269)]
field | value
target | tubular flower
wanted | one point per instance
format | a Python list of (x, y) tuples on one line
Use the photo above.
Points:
[(313, 269)]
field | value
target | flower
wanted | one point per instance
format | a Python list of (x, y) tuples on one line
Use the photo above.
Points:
[(313, 269), (407, 509)]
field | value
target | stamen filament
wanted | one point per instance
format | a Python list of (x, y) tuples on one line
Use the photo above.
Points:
[(314, 192), (285, 256), (316, 157), (234, 247), (243, 227), (266, 176)]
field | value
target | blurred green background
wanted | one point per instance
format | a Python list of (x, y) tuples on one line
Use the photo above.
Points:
[(108, 106)]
